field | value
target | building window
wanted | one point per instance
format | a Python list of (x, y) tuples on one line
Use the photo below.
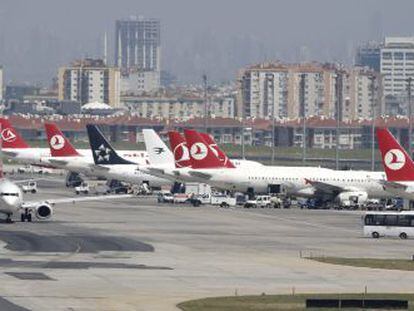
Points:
[(386, 55)]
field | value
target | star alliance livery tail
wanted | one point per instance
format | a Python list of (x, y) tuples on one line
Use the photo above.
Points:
[(158, 152), (219, 153), (59, 145), (201, 155), (397, 163), (180, 150), (11, 138), (102, 151)]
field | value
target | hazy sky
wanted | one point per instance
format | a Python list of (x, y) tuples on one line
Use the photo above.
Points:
[(212, 36)]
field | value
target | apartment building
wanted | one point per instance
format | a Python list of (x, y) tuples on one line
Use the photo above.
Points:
[(311, 89), (89, 80), (179, 108)]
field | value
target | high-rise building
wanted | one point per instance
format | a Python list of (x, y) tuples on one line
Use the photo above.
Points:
[(137, 44), (369, 55), (90, 80), (397, 64), (1, 83)]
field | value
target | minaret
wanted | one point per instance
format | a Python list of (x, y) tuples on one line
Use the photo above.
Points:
[(106, 49)]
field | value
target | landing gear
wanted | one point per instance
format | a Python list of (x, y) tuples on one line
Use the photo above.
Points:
[(8, 219), (26, 216)]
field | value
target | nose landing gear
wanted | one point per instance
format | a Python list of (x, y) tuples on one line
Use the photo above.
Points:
[(26, 216)]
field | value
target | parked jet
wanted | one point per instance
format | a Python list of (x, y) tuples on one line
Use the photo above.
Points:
[(346, 187), (398, 165), (113, 166), (15, 147)]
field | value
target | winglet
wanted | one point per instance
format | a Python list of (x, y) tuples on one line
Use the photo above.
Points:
[(398, 165), (11, 138), (59, 145), (180, 150), (102, 151), (201, 155)]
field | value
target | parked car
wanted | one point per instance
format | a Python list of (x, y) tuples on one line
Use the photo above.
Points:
[(165, 197), (263, 201)]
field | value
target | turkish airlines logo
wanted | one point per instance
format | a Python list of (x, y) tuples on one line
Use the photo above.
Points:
[(223, 157), (8, 135), (181, 153), (394, 159), (57, 142), (198, 151)]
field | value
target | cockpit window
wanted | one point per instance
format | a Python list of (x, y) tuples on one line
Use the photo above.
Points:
[(9, 194)]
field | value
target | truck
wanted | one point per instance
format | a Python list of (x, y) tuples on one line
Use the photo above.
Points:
[(82, 188), (31, 187), (214, 199), (264, 201)]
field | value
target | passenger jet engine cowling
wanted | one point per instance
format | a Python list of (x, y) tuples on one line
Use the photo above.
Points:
[(44, 211), (352, 198)]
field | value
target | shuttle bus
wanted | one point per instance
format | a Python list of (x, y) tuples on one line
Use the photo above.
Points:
[(389, 224)]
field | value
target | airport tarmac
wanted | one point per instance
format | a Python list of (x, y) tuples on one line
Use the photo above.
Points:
[(135, 254)]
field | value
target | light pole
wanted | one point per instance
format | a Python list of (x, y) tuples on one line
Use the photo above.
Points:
[(410, 123), (303, 114), (271, 86), (205, 102), (373, 99), (241, 81), (339, 88)]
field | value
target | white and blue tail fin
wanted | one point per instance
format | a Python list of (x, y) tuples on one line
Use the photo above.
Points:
[(158, 152)]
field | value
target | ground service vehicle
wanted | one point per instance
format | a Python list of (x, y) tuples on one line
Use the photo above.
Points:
[(213, 199), (83, 188), (263, 201), (31, 187), (165, 197), (389, 224)]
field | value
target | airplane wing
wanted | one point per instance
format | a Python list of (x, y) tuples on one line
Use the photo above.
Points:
[(200, 175), (393, 185), (154, 170), (99, 167), (325, 187), (33, 204), (59, 162)]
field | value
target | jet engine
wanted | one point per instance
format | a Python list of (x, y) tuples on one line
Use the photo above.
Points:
[(44, 211), (352, 198)]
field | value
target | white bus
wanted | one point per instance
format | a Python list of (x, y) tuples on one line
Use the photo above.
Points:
[(389, 224)]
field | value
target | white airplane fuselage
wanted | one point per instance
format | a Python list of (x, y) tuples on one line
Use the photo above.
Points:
[(42, 157), (11, 197), (131, 174), (296, 180)]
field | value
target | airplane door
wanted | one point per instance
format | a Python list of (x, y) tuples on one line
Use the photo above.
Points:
[(274, 188)]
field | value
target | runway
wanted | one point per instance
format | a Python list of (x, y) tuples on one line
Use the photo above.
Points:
[(135, 254)]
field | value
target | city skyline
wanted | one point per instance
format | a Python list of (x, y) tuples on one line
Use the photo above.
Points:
[(36, 38)]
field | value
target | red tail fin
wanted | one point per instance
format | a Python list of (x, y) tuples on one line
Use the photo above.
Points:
[(201, 155), (59, 145), (180, 150), (219, 153), (11, 138), (397, 163)]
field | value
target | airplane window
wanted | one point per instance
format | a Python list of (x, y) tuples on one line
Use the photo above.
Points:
[(9, 194)]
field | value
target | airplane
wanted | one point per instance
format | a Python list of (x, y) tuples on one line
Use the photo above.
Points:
[(398, 165), (15, 147), (178, 170), (345, 187), (112, 166), (12, 202)]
